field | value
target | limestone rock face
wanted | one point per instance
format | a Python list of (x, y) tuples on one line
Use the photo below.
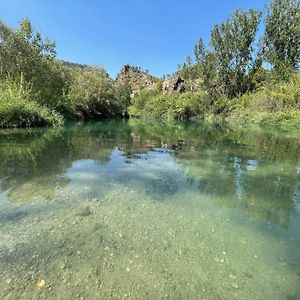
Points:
[(140, 80), (137, 79)]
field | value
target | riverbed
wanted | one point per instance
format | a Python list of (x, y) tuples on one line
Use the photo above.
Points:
[(135, 210)]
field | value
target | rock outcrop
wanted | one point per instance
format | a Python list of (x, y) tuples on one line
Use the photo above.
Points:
[(137, 79), (140, 80), (174, 84)]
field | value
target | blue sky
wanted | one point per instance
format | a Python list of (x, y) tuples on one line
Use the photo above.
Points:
[(153, 34)]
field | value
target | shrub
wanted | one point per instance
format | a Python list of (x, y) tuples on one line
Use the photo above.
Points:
[(275, 105), (92, 94), (19, 109), (186, 106)]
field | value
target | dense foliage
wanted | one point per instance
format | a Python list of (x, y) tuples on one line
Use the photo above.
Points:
[(282, 36), (239, 59), (232, 44), (274, 105), (38, 90), (92, 94), (243, 76), (249, 74), (19, 109)]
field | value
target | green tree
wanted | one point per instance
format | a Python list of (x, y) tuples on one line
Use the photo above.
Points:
[(199, 52), (233, 48), (92, 94), (282, 35), (23, 52), (42, 46), (210, 74), (188, 61)]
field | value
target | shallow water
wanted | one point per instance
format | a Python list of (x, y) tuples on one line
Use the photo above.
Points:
[(128, 210)]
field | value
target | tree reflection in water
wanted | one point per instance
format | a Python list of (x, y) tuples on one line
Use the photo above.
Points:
[(256, 172)]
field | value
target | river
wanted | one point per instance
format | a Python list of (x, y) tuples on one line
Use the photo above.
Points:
[(135, 210)]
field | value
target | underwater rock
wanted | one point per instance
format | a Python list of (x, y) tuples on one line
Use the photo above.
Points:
[(248, 275), (234, 285), (41, 283), (232, 276), (84, 211), (62, 266)]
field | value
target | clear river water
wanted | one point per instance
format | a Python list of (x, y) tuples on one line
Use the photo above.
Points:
[(135, 210)]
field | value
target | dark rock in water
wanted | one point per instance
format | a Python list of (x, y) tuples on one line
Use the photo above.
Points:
[(248, 275), (84, 211)]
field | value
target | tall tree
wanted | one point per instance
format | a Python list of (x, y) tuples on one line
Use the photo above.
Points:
[(199, 52), (188, 61), (233, 47), (282, 35), (24, 52)]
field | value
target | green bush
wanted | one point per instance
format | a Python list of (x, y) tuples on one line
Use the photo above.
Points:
[(186, 106), (277, 105), (19, 109), (24, 51), (92, 95)]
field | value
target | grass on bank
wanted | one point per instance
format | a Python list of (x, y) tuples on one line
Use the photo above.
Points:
[(18, 107), (276, 105)]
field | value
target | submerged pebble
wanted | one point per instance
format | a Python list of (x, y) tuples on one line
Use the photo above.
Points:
[(84, 211), (231, 276), (62, 266), (248, 275), (41, 283), (234, 285)]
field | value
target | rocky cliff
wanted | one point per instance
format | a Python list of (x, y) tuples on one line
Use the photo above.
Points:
[(137, 79), (142, 80)]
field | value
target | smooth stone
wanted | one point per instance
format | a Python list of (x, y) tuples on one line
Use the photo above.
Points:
[(231, 276), (248, 274), (234, 285), (84, 211)]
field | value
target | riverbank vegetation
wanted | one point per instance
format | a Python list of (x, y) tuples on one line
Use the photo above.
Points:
[(243, 77), (39, 90), (249, 74)]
